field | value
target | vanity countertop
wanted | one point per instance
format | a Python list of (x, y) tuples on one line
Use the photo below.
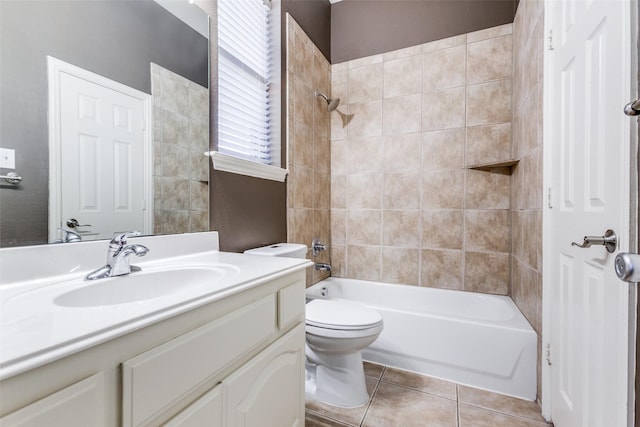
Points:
[(35, 328)]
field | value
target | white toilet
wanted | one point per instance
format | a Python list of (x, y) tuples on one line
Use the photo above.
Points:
[(336, 332)]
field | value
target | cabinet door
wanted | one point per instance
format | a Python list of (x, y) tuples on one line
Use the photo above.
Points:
[(204, 412), (80, 404), (160, 378), (269, 390)]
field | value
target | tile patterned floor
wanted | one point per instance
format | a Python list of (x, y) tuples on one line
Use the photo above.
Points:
[(404, 399)]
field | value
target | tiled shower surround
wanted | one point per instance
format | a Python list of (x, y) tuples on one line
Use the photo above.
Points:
[(309, 146), (526, 198), (407, 203), (180, 139), (407, 206), (415, 213)]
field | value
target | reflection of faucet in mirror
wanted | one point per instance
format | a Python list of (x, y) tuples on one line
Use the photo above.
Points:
[(68, 236), (118, 257)]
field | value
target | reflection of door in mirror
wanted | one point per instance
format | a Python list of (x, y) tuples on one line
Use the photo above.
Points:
[(100, 128)]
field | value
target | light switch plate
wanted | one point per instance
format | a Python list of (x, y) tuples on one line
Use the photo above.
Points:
[(7, 158)]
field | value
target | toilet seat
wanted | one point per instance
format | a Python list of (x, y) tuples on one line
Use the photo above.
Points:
[(340, 315)]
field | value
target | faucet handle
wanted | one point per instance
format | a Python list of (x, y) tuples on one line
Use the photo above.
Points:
[(317, 247), (121, 239)]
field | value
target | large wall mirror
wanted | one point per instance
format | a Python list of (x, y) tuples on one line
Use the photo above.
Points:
[(105, 104)]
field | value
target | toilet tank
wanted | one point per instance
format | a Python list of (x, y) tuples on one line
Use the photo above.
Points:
[(287, 250)]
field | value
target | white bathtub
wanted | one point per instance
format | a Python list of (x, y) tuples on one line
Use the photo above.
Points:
[(474, 339)]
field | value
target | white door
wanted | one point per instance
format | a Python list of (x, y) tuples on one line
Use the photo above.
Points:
[(101, 169), (587, 161)]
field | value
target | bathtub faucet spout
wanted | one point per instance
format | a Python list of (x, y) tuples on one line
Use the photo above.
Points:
[(322, 266)]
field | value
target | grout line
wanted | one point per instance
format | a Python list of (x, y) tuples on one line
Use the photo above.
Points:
[(506, 414), (421, 169), (329, 418), (366, 411), (373, 395), (457, 406), (419, 391)]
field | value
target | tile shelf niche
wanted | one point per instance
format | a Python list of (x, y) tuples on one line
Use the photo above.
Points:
[(494, 164)]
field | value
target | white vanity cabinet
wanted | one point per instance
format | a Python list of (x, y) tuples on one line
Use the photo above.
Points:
[(268, 391), (205, 411), (236, 361), (77, 404)]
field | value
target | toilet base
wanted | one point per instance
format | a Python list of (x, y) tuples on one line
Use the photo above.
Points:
[(336, 380)]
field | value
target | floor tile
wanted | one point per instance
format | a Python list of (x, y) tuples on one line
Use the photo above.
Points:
[(405, 399), (500, 403), (420, 382), (350, 416), (315, 420), (473, 416), (373, 370), (394, 406)]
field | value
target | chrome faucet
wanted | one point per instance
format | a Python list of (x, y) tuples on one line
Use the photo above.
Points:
[(68, 236), (322, 266), (118, 257), (317, 247)]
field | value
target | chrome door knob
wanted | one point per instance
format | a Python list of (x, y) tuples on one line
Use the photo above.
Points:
[(73, 223), (609, 241), (628, 267), (632, 108)]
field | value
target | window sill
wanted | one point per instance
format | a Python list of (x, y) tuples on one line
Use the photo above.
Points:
[(227, 163)]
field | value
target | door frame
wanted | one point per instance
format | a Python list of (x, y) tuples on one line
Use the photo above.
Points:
[(55, 68), (634, 235), (633, 403)]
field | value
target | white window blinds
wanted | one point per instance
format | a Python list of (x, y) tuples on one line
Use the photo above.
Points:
[(244, 64)]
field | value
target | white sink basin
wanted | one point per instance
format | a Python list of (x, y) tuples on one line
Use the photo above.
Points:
[(152, 284), (143, 285)]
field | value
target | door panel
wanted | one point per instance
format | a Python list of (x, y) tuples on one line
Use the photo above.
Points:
[(269, 390), (102, 153), (588, 168)]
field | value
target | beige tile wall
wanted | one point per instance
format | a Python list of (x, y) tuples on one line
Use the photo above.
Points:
[(309, 145), (405, 208), (180, 139), (526, 197)]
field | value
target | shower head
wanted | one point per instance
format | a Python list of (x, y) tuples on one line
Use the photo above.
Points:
[(332, 104)]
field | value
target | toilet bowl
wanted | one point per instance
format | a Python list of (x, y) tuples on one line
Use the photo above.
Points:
[(336, 332)]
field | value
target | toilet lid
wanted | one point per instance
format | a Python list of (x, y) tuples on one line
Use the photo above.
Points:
[(339, 314)]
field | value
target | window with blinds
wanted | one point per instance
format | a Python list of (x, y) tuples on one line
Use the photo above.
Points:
[(245, 62)]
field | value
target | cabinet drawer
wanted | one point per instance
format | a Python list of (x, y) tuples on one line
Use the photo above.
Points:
[(81, 405), (291, 304), (204, 412), (155, 380)]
